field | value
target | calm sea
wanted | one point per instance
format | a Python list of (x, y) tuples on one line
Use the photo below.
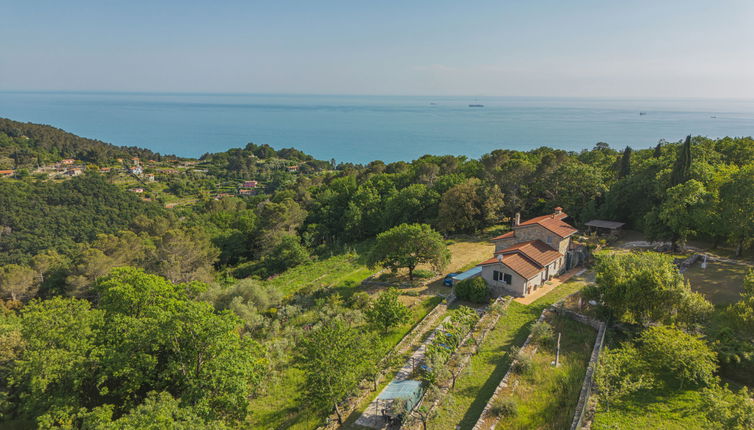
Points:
[(365, 128)]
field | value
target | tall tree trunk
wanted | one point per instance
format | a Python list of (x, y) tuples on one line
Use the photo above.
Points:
[(411, 273), (739, 247), (338, 413)]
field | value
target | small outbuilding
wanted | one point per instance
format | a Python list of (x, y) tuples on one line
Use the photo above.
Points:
[(603, 227)]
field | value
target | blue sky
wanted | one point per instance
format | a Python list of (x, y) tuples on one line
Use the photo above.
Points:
[(689, 48)]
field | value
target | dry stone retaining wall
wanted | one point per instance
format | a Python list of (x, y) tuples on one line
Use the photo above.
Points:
[(503, 382), (586, 386)]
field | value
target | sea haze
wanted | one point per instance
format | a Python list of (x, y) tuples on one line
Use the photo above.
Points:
[(365, 128)]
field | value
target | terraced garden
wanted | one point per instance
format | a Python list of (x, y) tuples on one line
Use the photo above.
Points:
[(464, 404)]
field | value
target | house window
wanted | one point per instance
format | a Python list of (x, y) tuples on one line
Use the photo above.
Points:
[(507, 278), (497, 276), (549, 240)]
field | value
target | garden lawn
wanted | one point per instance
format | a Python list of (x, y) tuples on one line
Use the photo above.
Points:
[(344, 269), (464, 404), (283, 404), (721, 282), (547, 395), (654, 409)]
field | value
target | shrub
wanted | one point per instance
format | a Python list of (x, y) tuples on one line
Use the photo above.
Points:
[(423, 274), (474, 290), (504, 408), (523, 363), (542, 333)]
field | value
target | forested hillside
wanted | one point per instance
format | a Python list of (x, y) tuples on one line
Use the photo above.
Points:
[(213, 263), (25, 145)]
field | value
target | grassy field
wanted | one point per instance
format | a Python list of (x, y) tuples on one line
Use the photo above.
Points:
[(547, 396), (463, 405), (655, 409), (720, 282), (337, 271)]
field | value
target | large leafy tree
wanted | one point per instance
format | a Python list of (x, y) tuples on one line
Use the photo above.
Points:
[(681, 214), (387, 311), (645, 287), (407, 246), (737, 201), (145, 334), (678, 356), (18, 282), (334, 357)]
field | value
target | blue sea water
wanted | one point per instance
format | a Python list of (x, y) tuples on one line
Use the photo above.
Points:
[(364, 128)]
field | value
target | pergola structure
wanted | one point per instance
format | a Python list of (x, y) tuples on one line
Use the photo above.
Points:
[(604, 227)]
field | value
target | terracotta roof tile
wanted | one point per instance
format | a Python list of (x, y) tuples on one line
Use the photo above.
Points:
[(536, 250), (526, 258), (505, 236), (518, 263), (554, 223)]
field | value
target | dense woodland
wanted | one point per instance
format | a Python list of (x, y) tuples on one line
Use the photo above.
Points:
[(151, 304)]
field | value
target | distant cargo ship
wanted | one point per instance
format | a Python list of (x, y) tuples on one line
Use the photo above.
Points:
[(476, 105)]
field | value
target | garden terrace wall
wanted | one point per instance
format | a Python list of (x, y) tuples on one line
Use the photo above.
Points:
[(504, 382), (586, 386), (505, 301), (349, 405)]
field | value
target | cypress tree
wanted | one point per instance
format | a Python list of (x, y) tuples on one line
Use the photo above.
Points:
[(658, 150), (624, 168), (682, 168)]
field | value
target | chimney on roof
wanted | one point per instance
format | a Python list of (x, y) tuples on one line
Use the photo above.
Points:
[(517, 219), (558, 210)]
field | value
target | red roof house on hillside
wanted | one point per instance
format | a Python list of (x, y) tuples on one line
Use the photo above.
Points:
[(528, 256)]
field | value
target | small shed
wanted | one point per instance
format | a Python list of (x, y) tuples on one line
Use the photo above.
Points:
[(604, 227), (400, 397), (471, 273)]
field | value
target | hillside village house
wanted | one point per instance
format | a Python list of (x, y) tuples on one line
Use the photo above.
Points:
[(6, 173), (525, 258)]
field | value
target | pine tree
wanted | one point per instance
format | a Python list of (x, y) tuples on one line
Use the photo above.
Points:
[(624, 167), (682, 168)]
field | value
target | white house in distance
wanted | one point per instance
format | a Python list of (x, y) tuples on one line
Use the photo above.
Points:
[(528, 256)]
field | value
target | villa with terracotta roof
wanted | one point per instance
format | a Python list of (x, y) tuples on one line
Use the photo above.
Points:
[(529, 255)]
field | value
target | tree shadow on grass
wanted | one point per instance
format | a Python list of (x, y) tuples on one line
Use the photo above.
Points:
[(485, 392)]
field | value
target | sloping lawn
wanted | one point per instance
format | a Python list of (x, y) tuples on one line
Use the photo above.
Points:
[(655, 409), (721, 282), (464, 404)]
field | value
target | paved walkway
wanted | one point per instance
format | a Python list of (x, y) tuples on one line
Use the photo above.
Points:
[(550, 285), (372, 416)]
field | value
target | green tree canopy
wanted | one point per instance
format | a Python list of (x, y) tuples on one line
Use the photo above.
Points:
[(645, 287), (407, 246), (387, 311)]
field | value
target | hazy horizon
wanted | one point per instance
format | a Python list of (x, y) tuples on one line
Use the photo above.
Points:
[(586, 49)]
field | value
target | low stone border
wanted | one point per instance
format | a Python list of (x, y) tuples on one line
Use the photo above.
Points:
[(586, 386), (504, 382), (465, 361), (365, 386)]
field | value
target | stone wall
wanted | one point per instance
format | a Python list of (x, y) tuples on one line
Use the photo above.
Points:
[(586, 386), (503, 382)]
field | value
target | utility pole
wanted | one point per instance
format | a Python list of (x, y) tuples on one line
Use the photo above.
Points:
[(557, 352)]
